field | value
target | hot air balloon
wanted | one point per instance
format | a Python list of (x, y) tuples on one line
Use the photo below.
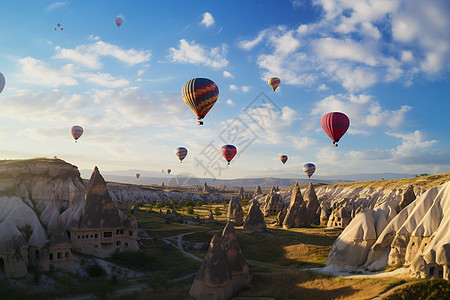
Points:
[(181, 152), (138, 175), (2, 82), (228, 152), (162, 171), (200, 94), (169, 170), (283, 159), (335, 124), (118, 21), (76, 131), (59, 25), (309, 169), (274, 82)]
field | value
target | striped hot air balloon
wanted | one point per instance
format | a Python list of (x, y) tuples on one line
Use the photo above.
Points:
[(181, 152), (283, 159), (76, 131), (228, 152), (309, 169), (200, 94), (274, 82), (335, 124)]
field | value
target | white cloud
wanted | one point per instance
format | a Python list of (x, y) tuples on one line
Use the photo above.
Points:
[(230, 102), (55, 5), (38, 72), (89, 55), (234, 87), (208, 19), (199, 55), (349, 45), (249, 45), (245, 88), (323, 87), (363, 111), (104, 79), (227, 74)]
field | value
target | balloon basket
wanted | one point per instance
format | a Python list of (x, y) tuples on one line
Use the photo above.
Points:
[(200, 122)]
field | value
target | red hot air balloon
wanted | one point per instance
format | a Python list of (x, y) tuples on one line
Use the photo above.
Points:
[(309, 169), (200, 94), (283, 159), (335, 124), (118, 21), (181, 152), (138, 175), (76, 131), (228, 152)]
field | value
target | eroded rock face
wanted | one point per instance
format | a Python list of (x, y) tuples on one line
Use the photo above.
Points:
[(297, 214), (312, 204), (255, 218), (241, 276), (214, 277), (258, 191), (407, 198), (235, 213), (273, 204)]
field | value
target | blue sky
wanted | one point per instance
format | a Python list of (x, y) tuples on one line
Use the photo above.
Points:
[(383, 63)]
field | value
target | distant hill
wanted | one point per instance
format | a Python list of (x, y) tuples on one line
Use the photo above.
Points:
[(154, 177)]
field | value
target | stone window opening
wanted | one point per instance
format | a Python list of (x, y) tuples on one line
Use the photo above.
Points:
[(59, 255), (66, 255), (50, 257), (118, 243), (440, 272), (96, 235), (131, 233), (107, 234), (126, 244), (36, 254), (431, 273)]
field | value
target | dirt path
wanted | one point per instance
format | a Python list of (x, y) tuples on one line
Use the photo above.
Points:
[(179, 244), (390, 291)]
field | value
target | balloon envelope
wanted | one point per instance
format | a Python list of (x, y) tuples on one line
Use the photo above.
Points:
[(138, 175), (335, 124), (162, 171), (283, 159), (76, 131), (274, 82), (169, 170), (118, 21), (200, 94), (228, 152), (2, 82), (309, 169), (59, 25), (181, 152)]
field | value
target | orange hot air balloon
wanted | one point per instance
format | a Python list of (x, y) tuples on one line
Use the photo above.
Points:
[(169, 170), (274, 82), (283, 159)]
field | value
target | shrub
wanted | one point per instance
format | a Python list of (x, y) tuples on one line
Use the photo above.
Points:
[(199, 203), (190, 210), (95, 270), (427, 290), (139, 260), (217, 211), (159, 205), (189, 203)]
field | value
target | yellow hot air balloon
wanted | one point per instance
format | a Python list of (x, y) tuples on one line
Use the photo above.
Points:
[(274, 82)]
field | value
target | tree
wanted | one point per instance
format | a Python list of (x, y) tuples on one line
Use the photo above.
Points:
[(190, 210)]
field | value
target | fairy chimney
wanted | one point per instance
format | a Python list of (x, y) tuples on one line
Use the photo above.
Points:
[(235, 213), (297, 214), (214, 277), (241, 276), (407, 198), (255, 218)]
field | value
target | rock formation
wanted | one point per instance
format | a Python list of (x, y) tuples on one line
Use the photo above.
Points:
[(280, 217), (101, 229), (255, 218), (273, 204), (297, 214), (241, 276), (258, 191), (417, 237), (407, 198), (235, 213), (312, 204), (214, 278), (339, 218)]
